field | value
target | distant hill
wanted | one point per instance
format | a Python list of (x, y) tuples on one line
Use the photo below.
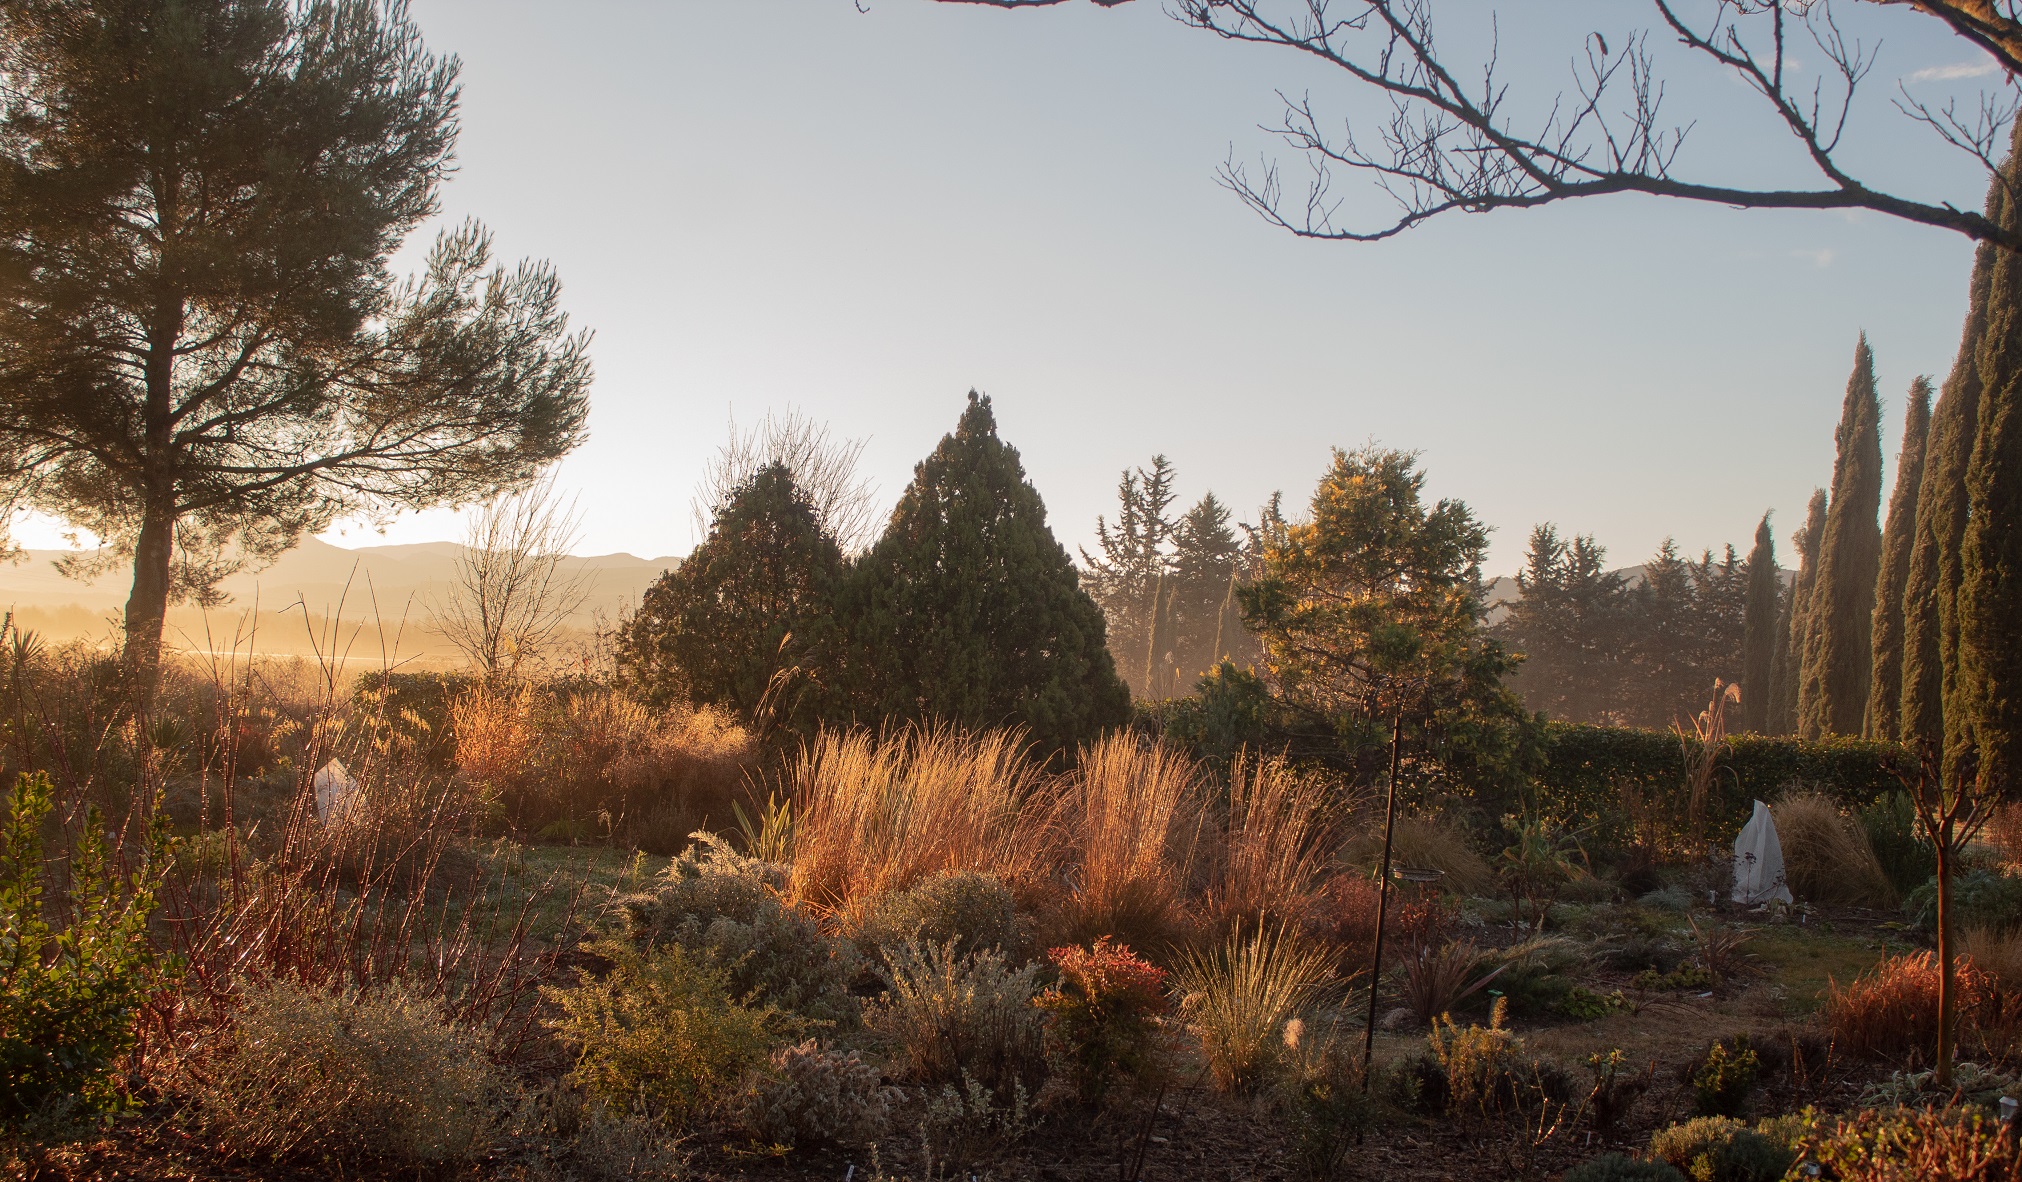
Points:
[(391, 585)]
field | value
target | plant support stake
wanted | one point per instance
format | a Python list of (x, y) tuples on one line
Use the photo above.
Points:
[(1382, 899)]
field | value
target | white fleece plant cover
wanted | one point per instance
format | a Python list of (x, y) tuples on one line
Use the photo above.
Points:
[(1758, 862), (336, 792)]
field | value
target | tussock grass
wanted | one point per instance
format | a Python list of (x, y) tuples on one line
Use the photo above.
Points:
[(1131, 819), (1827, 857), (1239, 997), (1276, 847), (1432, 845), (876, 815)]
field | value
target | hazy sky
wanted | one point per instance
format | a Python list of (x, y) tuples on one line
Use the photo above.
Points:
[(764, 203)]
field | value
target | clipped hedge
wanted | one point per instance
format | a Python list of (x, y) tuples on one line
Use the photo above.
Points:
[(1584, 769)]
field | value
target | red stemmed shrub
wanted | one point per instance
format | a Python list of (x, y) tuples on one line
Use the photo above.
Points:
[(1102, 1017)]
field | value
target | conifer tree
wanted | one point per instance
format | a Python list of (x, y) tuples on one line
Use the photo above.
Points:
[(1569, 623), (967, 609), (1758, 641), (1790, 641), (1129, 577), (1207, 619), (747, 621), (1885, 691), (1832, 693)]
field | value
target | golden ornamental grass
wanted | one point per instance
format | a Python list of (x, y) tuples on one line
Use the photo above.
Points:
[(1239, 996), (1827, 858), (1130, 818), (1277, 846)]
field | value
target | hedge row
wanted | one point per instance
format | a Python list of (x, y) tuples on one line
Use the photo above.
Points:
[(1585, 768)]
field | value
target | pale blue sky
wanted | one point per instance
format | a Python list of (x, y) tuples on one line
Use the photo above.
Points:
[(757, 203)]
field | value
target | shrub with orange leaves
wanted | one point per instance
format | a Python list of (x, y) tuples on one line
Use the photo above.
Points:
[(1102, 1016)]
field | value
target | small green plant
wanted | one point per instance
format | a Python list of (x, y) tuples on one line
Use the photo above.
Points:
[(69, 995), (1684, 978), (1326, 1105), (950, 1017), (1239, 997), (1725, 1078), (975, 911), (663, 1028), (1618, 1167), (1898, 1144), (1906, 855), (1720, 1149), (1101, 1019), (965, 1123), (768, 837), (1585, 1005), (1615, 1090)]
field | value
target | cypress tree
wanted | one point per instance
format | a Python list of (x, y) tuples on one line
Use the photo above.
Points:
[(967, 610), (1832, 692), (1885, 691), (1930, 710), (1759, 632), (1790, 637), (1987, 691)]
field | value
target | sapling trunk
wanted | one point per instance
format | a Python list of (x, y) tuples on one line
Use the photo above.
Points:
[(1948, 997)]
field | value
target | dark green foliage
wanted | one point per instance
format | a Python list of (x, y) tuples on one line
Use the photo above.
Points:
[(1584, 769), (1720, 1149), (1981, 898), (1885, 692), (1617, 1167), (1207, 624), (1788, 659), (747, 621), (203, 353), (1725, 1079), (971, 911), (968, 611), (1832, 692), (69, 994), (1758, 637), (1568, 624), (1891, 825), (1229, 710)]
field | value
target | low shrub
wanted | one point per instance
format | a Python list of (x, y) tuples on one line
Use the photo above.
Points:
[(1725, 1078), (726, 908), (949, 1016), (1982, 897), (1238, 997), (1101, 1019), (1614, 1090), (974, 911), (1328, 1109), (1828, 859), (560, 1135), (1891, 1011), (1618, 1167), (808, 1094), (1721, 1149), (69, 995), (1478, 1064), (962, 1124), (663, 1029), (1894, 834), (358, 1079), (1954, 1143)]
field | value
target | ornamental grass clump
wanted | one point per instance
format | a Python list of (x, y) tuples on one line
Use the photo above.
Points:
[(1891, 1011), (1239, 996), (1133, 813), (1102, 1018)]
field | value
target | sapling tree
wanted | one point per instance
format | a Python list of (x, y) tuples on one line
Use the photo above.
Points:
[(203, 351), (1953, 803)]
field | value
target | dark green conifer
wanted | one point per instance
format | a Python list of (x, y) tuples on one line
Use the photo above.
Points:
[(1758, 640), (1885, 691), (1790, 637), (968, 611), (747, 621), (1207, 618), (1832, 691)]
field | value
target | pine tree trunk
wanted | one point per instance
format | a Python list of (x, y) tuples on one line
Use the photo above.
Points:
[(147, 605)]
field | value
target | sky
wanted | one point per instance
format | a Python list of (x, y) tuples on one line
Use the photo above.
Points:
[(763, 204)]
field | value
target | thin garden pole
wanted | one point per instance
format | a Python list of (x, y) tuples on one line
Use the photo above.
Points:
[(1382, 899)]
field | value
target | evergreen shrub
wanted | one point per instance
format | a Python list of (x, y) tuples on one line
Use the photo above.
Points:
[(1721, 1149), (974, 911), (952, 1017), (809, 1094), (1101, 1019)]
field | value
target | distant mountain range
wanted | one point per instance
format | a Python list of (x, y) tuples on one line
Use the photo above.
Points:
[(385, 584)]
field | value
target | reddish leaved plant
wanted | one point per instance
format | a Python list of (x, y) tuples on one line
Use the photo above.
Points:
[(1102, 1016)]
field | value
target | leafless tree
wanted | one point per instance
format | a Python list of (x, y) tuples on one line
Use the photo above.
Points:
[(1456, 137), (825, 468), (514, 588)]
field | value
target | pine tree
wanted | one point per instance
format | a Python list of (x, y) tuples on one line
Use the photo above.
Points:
[(1987, 699), (747, 621), (1129, 580), (1885, 692), (1207, 620), (1758, 642), (968, 610), (1790, 639), (1832, 695), (1568, 624)]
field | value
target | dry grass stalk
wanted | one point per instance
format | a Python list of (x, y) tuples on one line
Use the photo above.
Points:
[(2004, 832), (875, 814), (1277, 846), (1827, 858), (1240, 996), (1132, 817), (1891, 1011)]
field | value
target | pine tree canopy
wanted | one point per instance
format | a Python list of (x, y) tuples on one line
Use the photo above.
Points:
[(968, 610), (1758, 640), (747, 621), (1373, 604), (1838, 639), (202, 352), (1885, 692), (1568, 623)]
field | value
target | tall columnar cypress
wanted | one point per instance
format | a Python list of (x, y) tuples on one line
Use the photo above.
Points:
[(1758, 636), (1885, 690), (1832, 693), (1790, 638), (1931, 712), (968, 611)]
